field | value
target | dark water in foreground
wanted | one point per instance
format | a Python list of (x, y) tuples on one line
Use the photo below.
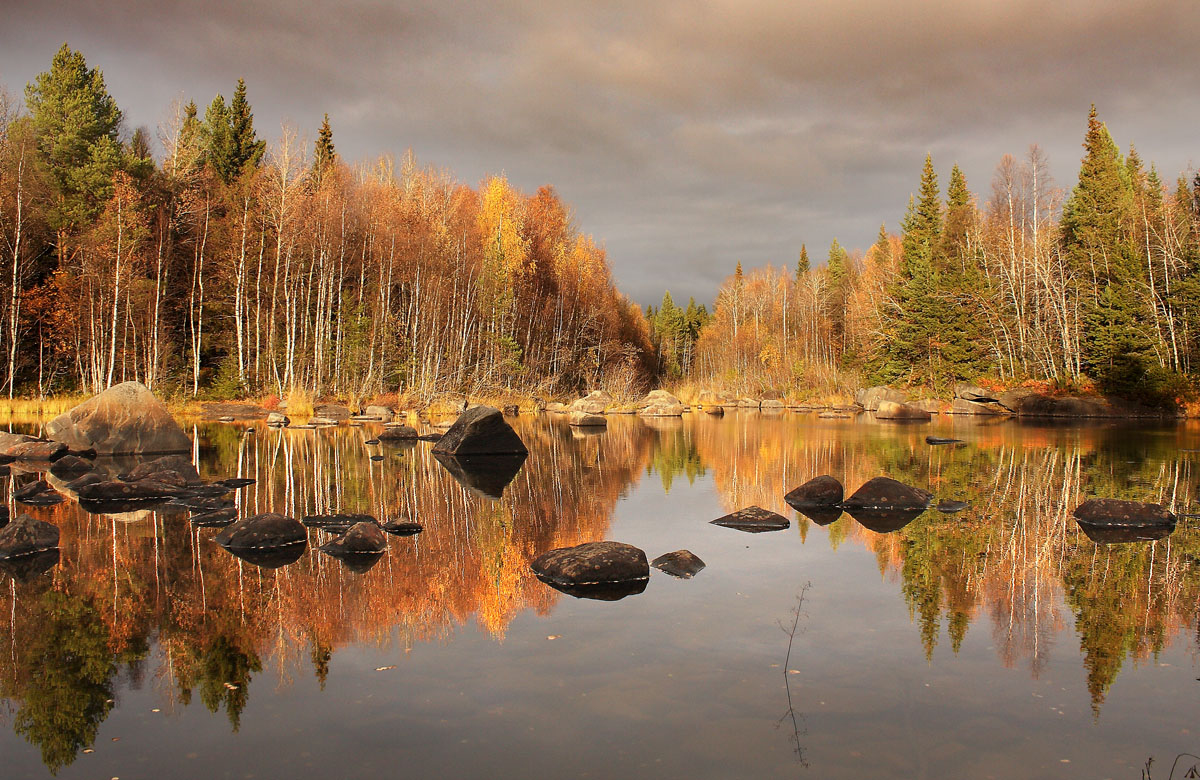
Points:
[(998, 642)]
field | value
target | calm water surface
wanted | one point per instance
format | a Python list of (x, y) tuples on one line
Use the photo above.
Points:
[(998, 642)]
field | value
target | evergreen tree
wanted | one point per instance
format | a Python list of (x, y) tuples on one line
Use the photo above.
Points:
[(249, 147), (76, 122), (323, 152), (803, 265), (231, 146)]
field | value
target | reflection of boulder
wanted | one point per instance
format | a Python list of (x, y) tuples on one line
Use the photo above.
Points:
[(362, 538), (25, 536), (754, 520), (586, 566), (486, 475), (1113, 521), (275, 558), (124, 418), (37, 493), (683, 564), (884, 521), (822, 491), (336, 523), (1124, 535), (268, 531), (481, 430), (606, 591), (822, 515), (24, 568), (214, 518), (887, 493), (360, 563)]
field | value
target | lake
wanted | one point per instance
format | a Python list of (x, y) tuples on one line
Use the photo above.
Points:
[(998, 642)]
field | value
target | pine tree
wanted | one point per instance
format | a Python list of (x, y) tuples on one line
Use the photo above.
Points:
[(323, 153), (231, 146), (249, 148), (803, 265), (76, 122)]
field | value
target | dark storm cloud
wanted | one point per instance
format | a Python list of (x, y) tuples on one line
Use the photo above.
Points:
[(687, 135)]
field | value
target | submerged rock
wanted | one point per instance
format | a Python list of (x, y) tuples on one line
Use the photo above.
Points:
[(268, 531), (822, 491), (402, 526), (336, 523), (26, 536), (683, 564), (753, 519), (24, 568), (69, 467), (116, 492), (124, 419), (887, 493), (592, 564), (481, 430), (214, 518)]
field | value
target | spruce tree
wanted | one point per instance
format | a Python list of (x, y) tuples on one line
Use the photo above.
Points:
[(803, 264), (323, 152), (249, 148)]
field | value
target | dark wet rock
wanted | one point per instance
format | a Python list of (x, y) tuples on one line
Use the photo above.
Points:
[(1115, 513), (682, 563), (870, 398), (91, 478), (277, 420), (173, 469), (402, 526), (24, 568), (822, 515), (24, 536), (822, 491), (10, 439), (37, 450), (1125, 535), (936, 440), (949, 506), (885, 521), (430, 437), (215, 518), (486, 475), (335, 412), (887, 493), (481, 430), (208, 504), (211, 490), (266, 531), (376, 458), (236, 483), (591, 564), (37, 493), (70, 466), (336, 523), (143, 491), (5, 516), (363, 538), (970, 392), (269, 558), (5, 470), (894, 410), (753, 520), (398, 433), (125, 418), (714, 410), (585, 420), (371, 442)]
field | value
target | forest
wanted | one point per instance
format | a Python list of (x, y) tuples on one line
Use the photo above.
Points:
[(227, 266), (206, 261)]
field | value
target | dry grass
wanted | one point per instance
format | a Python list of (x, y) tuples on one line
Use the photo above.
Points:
[(299, 404), (37, 409)]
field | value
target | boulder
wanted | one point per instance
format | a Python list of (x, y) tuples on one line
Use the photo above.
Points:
[(228, 411), (363, 538), (26, 536), (870, 398), (660, 403), (931, 405), (887, 493), (1014, 398), (969, 392), (715, 411), (592, 563), (37, 493), (124, 419), (894, 410), (554, 407), (771, 405), (70, 466), (481, 431), (37, 450), (822, 491), (585, 420), (115, 492), (403, 526), (174, 469), (511, 410), (683, 564), (594, 402), (1115, 513), (277, 419), (963, 406), (335, 412), (398, 433), (950, 506), (381, 413), (269, 531), (754, 520), (10, 439)]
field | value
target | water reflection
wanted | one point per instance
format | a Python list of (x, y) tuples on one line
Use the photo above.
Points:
[(1013, 562)]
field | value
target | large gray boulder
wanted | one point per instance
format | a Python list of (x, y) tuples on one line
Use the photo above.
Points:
[(26, 536), (870, 398), (969, 392), (124, 419), (481, 430), (594, 402), (894, 410), (660, 403)]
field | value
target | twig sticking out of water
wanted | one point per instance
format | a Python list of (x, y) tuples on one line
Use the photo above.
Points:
[(791, 631)]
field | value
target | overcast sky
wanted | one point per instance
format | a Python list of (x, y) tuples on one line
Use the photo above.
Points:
[(685, 135)]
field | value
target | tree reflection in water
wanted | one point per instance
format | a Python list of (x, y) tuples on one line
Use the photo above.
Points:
[(1014, 558)]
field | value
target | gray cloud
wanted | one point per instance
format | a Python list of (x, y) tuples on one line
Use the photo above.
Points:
[(686, 135)]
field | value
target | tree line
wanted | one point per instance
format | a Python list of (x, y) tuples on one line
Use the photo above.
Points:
[(1098, 288), (228, 266)]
